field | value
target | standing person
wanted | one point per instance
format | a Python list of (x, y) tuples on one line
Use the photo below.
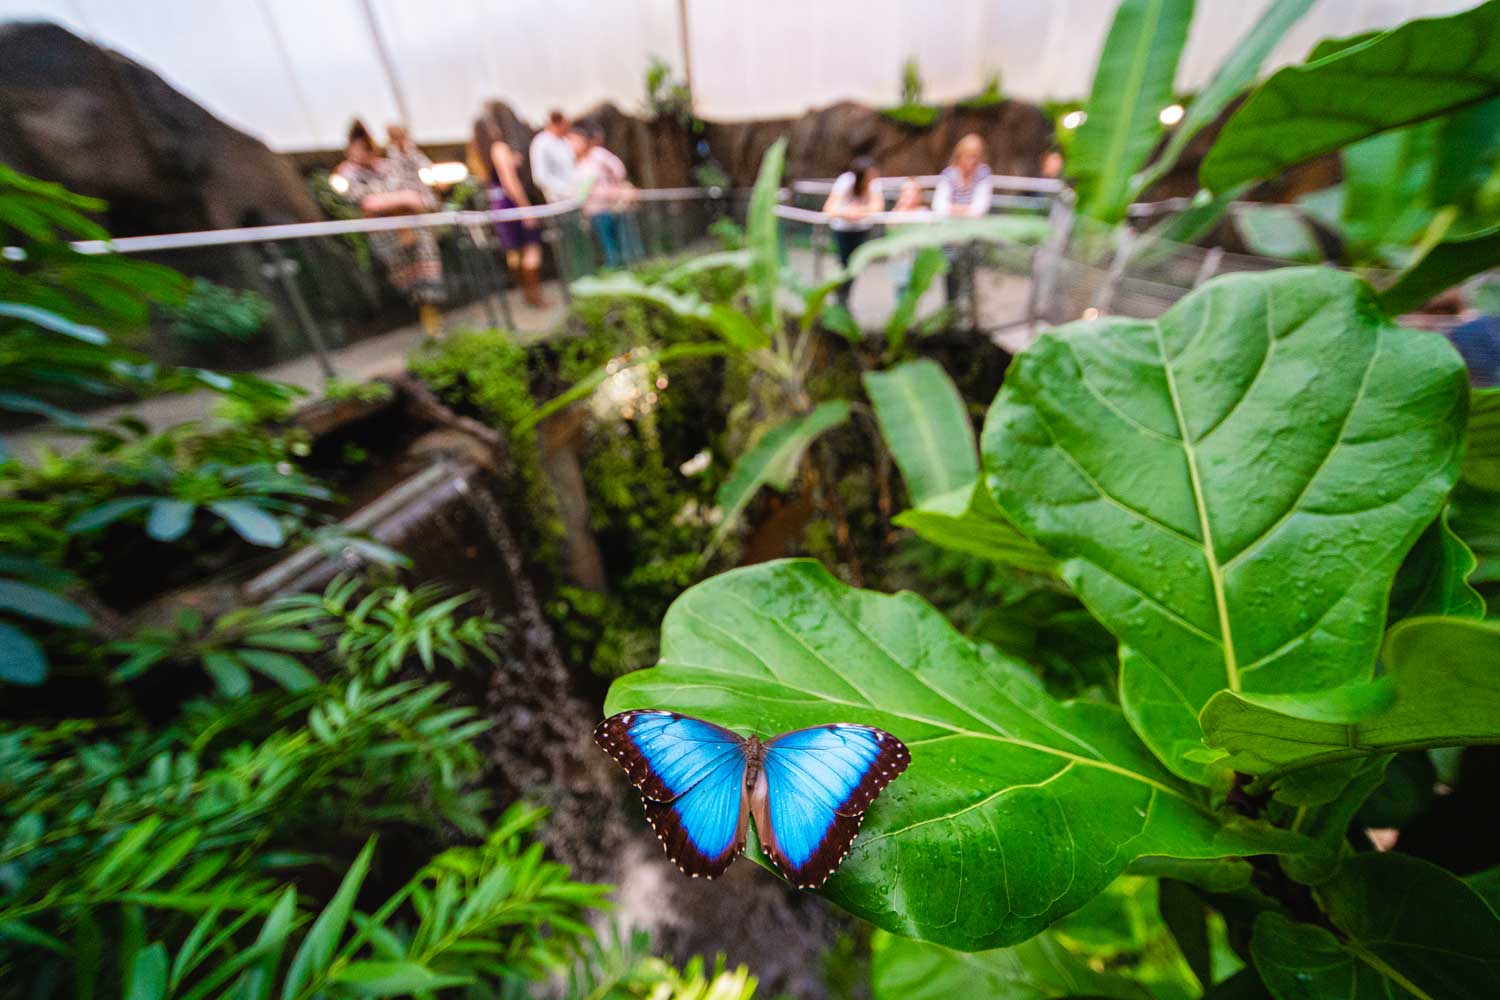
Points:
[(963, 191), (407, 163), (609, 193), (856, 195), (554, 169), (410, 256), (521, 238), (553, 160)]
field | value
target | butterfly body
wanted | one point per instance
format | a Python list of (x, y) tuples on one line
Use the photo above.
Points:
[(807, 790)]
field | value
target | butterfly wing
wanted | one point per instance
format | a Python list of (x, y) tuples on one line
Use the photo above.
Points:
[(818, 784), (691, 776)]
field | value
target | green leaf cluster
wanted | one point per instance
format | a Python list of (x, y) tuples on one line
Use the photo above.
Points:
[(1243, 493)]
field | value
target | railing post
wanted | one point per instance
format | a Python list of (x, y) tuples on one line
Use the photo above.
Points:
[(468, 248), (819, 244), (558, 238), (284, 269), (1124, 242), (1047, 261), (969, 254)]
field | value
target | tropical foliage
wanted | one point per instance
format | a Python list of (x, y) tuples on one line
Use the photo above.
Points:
[(1192, 646)]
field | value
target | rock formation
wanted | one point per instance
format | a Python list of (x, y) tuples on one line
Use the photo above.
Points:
[(102, 125)]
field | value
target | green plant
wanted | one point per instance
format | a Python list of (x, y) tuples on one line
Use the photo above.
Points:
[(1185, 476), (215, 313), (234, 645), (248, 498), (989, 95), (377, 633), (497, 915), (1421, 164), (667, 98), (730, 234), (624, 969), (29, 591), (489, 372), (1108, 155), (340, 389), (753, 329), (911, 82)]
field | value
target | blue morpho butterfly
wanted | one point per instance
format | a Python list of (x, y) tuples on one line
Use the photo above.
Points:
[(808, 789)]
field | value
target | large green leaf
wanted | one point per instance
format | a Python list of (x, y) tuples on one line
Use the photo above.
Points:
[(251, 522), (1231, 488), (1387, 190), (1235, 74), (1016, 808), (1001, 229), (926, 427), (31, 601), (1440, 689), (51, 321), (1443, 266), (1408, 928), (1038, 969), (1467, 146), (1420, 70), (968, 520), (21, 659), (1132, 83), (763, 238), (1277, 231), (737, 329), (772, 461)]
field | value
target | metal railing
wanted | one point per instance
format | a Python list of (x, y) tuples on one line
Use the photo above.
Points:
[(329, 291)]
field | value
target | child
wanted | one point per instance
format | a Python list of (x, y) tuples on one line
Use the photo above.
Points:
[(910, 200)]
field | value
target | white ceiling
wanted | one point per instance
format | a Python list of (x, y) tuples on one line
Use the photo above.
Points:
[(293, 72)]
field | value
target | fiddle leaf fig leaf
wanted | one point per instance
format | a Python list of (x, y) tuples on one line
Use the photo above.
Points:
[(1231, 488), (1016, 808), (1420, 70), (1440, 690), (903, 969), (1408, 928)]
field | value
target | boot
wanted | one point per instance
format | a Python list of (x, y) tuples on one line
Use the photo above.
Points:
[(432, 319), (531, 287)]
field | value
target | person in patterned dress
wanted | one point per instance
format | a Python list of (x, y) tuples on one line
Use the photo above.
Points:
[(410, 256)]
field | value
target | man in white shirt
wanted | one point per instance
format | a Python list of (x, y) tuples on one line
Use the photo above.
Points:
[(553, 160)]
